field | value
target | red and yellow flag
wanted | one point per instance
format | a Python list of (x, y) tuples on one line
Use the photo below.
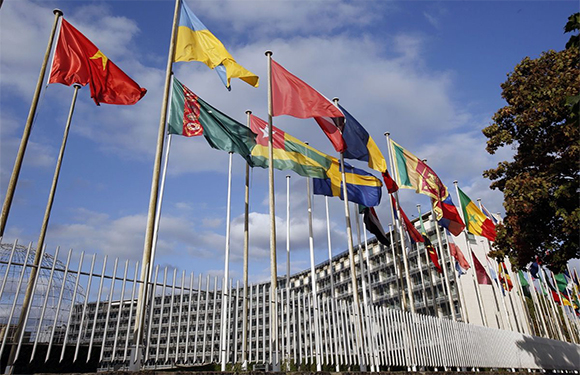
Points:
[(78, 60)]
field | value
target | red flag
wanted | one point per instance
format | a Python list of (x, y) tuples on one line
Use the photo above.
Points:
[(409, 227), (432, 253), (458, 254), (78, 60), (390, 183), (292, 96), (482, 277)]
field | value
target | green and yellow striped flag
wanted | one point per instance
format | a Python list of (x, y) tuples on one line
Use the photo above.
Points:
[(289, 152)]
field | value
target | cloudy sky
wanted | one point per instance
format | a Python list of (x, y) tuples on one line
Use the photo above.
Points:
[(428, 72)]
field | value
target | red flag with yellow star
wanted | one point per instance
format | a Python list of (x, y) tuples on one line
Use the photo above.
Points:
[(78, 60)]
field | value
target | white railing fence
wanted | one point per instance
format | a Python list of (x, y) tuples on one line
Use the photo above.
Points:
[(84, 308)]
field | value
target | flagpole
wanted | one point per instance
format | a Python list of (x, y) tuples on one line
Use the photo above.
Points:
[(288, 270), (444, 266), (314, 288), (160, 202), (458, 284), (564, 314), (246, 247), (331, 268), (147, 248), (505, 310), (473, 274), (225, 290), (550, 302), (436, 309), (37, 254), (538, 307), (27, 128), (399, 273), (273, 264), (361, 261), (355, 296), (402, 237)]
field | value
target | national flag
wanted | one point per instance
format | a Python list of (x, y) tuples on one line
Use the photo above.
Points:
[(525, 284), (460, 271), (293, 97), (373, 225), (482, 277), (409, 227), (77, 60), (504, 277), (534, 269), (477, 223), (196, 43), (429, 246), (390, 184), (362, 187), (562, 282), (360, 145), (493, 275), (189, 115), (412, 173), (447, 215), (457, 253), (495, 218), (289, 152)]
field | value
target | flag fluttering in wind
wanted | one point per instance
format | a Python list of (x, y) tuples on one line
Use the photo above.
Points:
[(360, 145), (362, 187), (373, 225), (482, 276), (78, 60), (504, 277), (289, 152), (196, 43), (477, 223), (457, 254), (190, 115), (495, 218), (412, 173), (450, 218), (406, 223), (293, 97), (429, 246)]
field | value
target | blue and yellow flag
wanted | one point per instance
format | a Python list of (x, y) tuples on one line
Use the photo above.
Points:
[(360, 145), (196, 43), (362, 187)]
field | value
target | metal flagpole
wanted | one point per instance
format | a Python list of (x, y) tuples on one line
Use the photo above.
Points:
[(436, 308), (362, 260), (397, 262), (537, 307), (160, 202), (411, 304), (288, 272), (564, 314), (37, 255), (246, 246), (458, 285), (225, 289), (148, 245), (355, 295), (444, 266), (27, 128), (313, 278), (331, 271), (473, 274), (273, 264)]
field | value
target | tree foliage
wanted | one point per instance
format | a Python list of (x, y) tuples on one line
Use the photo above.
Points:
[(541, 184)]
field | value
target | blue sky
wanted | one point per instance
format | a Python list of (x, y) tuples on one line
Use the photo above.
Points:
[(428, 72)]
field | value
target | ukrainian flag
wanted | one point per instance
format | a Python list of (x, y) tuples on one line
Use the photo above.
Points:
[(196, 43)]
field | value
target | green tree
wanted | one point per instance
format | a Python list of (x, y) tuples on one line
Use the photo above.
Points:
[(541, 184)]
